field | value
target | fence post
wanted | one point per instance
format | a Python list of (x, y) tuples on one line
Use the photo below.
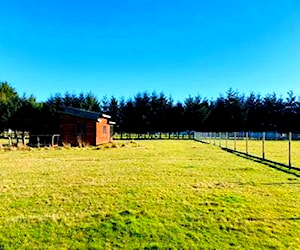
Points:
[(263, 144), (215, 138), (247, 137), (220, 137), (234, 141), (16, 137), (226, 138), (290, 149), (9, 140), (23, 138), (38, 141)]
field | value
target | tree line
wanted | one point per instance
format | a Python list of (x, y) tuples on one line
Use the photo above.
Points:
[(155, 112)]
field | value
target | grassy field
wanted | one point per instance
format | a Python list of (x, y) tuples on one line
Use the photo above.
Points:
[(150, 195)]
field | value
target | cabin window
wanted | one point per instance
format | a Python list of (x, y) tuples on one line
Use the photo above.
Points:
[(104, 130)]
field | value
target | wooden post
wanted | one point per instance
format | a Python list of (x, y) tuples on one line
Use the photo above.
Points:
[(247, 137), (16, 137), (215, 138), (290, 149), (226, 140), (9, 140), (263, 144), (220, 137), (23, 138), (234, 141)]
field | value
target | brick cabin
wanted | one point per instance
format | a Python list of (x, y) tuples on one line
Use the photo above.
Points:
[(79, 127)]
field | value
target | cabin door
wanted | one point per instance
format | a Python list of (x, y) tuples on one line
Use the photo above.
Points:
[(80, 133)]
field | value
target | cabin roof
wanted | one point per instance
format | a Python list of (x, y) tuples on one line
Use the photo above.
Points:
[(81, 113)]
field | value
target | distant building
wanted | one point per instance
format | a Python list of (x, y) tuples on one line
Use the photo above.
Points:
[(80, 127)]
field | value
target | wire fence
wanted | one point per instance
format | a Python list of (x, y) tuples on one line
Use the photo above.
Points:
[(278, 148), (185, 135), (13, 137), (23, 138)]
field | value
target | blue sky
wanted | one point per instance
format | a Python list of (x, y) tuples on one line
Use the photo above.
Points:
[(120, 47)]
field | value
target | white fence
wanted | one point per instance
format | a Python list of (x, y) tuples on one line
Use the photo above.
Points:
[(273, 147), (14, 137)]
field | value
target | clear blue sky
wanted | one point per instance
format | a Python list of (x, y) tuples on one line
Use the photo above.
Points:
[(119, 47)]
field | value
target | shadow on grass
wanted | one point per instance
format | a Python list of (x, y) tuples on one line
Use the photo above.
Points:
[(280, 183), (276, 165), (265, 219)]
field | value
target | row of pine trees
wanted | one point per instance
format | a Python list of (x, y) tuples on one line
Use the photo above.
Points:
[(156, 112)]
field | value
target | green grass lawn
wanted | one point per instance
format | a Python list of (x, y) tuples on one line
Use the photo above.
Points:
[(157, 195)]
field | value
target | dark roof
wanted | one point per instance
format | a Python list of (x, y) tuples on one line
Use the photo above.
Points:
[(81, 113)]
